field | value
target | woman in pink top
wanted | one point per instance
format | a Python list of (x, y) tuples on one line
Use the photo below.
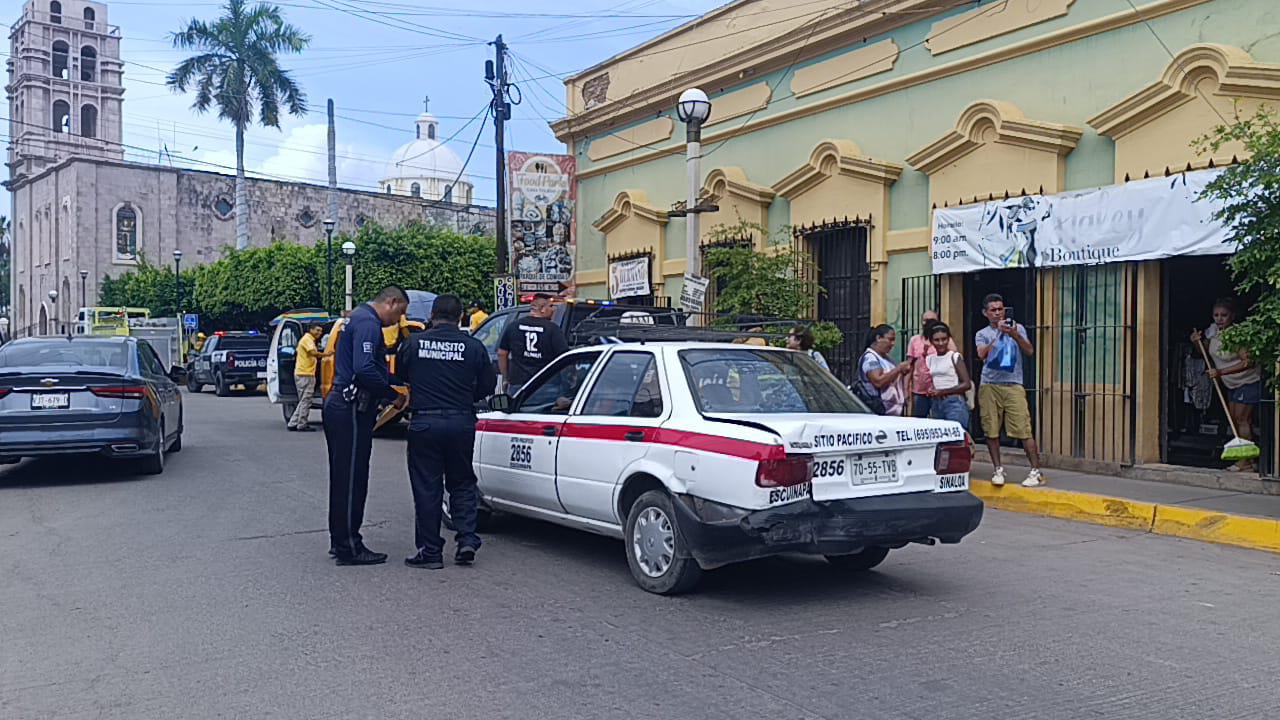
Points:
[(918, 349)]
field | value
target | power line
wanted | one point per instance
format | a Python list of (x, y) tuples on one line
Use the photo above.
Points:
[(1169, 51)]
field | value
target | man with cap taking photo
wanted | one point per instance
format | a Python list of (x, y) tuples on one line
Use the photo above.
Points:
[(361, 381), (448, 372)]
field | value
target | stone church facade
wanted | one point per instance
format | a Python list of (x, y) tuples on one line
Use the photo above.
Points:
[(77, 205)]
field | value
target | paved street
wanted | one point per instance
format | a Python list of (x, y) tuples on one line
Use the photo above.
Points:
[(206, 592)]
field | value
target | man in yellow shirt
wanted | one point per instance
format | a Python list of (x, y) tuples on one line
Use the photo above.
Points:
[(478, 314), (304, 377)]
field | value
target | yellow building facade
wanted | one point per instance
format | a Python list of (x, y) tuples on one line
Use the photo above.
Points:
[(851, 122)]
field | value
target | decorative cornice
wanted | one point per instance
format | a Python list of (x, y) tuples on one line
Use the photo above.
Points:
[(629, 204), (1011, 128), (639, 136), (1235, 71), (725, 181), (997, 19), (836, 157)]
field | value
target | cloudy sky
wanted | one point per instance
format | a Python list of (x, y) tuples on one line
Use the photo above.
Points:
[(377, 60)]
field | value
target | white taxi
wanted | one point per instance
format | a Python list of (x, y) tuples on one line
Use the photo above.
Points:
[(700, 454)]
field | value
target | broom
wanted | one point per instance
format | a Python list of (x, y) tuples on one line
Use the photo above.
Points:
[(1237, 449)]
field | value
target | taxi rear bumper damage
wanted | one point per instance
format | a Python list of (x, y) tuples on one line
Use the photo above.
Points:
[(718, 534)]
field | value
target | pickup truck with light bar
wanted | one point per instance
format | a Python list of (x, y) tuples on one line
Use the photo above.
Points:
[(229, 359), (701, 454)]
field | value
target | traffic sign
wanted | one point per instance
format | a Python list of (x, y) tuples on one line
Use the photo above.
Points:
[(190, 322), (504, 292)]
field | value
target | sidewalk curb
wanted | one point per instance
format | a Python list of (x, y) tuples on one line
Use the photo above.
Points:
[(1191, 523)]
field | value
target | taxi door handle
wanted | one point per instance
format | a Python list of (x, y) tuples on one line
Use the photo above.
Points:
[(549, 430), (634, 436)]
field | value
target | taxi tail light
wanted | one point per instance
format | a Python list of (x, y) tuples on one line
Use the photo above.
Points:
[(123, 392), (4, 391), (954, 458), (784, 473)]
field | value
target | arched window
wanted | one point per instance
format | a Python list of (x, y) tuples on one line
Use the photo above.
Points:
[(61, 58), (89, 121), (126, 233), (88, 64), (89, 17), (448, 193), (388, 189), (64, 316), (55, 12), (431, 131), (415, 190), (61, 116)]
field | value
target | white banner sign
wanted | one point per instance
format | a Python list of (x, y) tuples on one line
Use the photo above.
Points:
[(693, 293), (629, 278), (1142, 220)]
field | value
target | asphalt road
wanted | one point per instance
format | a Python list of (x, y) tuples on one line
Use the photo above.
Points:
[(206, 592)]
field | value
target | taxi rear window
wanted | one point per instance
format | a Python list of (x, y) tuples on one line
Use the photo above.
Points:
[(764, 382)]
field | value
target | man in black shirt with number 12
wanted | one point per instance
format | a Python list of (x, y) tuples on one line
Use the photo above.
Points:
[(530, 344)]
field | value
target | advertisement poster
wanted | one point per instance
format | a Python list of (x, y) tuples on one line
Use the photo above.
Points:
[(629, 278), (542, 202), (1141, 220)]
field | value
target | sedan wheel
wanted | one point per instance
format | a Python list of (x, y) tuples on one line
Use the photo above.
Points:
[(659, 561), (153, 464)]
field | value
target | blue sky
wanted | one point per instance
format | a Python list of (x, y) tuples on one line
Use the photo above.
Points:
[(377, 60)]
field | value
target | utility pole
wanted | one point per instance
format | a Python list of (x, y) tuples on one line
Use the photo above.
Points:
[(496, 75)]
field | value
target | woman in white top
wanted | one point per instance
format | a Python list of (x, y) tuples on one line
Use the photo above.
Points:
[(878, 372), (1242, 378), (801, 338), (950, 378)]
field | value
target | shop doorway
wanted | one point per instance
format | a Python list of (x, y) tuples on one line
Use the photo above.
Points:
[(1017, 287), (840, 251), (1193, 422)]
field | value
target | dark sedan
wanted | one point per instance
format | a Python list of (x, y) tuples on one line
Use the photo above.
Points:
[(75, 395)]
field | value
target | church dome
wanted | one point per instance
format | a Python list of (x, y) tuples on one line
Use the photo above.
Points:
[(426, 168)]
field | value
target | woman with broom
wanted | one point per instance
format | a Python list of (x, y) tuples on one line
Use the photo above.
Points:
[(1243, 381)]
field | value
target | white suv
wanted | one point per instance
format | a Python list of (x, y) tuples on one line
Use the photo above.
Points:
[(698, 455)]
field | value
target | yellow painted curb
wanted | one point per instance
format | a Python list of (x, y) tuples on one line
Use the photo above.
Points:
[(1192, 523), (1082, 507), (1217, 527)]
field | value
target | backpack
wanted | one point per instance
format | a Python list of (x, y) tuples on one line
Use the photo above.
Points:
[(866, 392)]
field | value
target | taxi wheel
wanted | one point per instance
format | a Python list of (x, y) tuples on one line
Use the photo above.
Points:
[(659, 561), (865, 560)]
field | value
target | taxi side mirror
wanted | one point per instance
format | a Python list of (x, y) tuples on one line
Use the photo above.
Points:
[(500, 403)]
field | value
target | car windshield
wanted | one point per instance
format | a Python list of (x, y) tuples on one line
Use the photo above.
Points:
[(257, 342), (764, 381), (88, 353)]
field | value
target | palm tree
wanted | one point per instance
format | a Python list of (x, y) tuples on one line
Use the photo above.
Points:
[(236, 68)]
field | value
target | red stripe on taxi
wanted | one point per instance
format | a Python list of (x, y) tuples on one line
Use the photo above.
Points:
[(715, 444)]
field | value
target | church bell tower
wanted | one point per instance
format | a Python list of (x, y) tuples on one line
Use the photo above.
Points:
[(65, 86)]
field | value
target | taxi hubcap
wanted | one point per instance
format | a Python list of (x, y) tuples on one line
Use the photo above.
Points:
[(653, 541)]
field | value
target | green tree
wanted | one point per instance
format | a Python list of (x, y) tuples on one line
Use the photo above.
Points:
[(1250, 193), (150, 287), (236, 68), (776, 283)]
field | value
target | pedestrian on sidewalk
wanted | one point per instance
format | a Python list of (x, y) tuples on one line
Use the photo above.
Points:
[(948, 377), (801, 339), (879, 378), (306, 364), (1242, 378), (448, 372), (477, 313), (361, 382), (1002, 399), (918, 350)]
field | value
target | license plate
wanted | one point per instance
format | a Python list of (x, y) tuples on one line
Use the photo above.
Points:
[(50, 401), (262, 374), (873, 469)]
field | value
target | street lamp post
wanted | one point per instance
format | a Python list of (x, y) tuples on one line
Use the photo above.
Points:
[(328, 258), (177, 280), (84, 275), (693, 109), (53, 301), (349, 251)]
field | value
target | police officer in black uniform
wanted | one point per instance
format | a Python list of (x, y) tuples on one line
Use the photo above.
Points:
[(448, 372), (360, 381)]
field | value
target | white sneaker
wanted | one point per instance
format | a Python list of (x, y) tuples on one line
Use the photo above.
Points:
[(997, 478), (1034, 479)]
